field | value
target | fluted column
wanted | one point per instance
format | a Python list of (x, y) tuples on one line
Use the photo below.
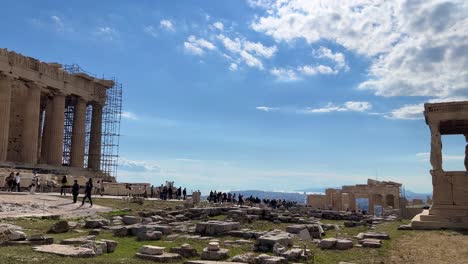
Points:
[(55, 147), (94, 154), (46, 132), (5, 103), (31, 124), (78, 134)]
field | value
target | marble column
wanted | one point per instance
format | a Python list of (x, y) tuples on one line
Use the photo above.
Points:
[(94, 154), (31, 124), (78, 134), (5, 103), (436, 147), (46, 132), (55, 147)]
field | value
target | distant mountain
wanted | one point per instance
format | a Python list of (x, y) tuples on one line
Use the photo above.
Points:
[(410, 195), (300, 198)]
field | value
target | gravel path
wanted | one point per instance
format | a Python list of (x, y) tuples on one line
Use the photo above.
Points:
[(24, 205)]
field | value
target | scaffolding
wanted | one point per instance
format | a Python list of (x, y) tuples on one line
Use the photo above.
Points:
[(111, 117)]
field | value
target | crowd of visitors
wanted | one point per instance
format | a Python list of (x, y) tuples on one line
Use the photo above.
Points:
[(223, 198)]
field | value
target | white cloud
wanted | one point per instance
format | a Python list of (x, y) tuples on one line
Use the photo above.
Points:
[(246, 51), (137, 165), (233, 66), (106, 33), (58, 23), (337, 57), (150, 30), (285, 74), (129, 115), (416, 48), (407, 112), (266, 108), (313, 70), (425, 156), (218, 25), (167, 25), (350, 106), (197, 46)]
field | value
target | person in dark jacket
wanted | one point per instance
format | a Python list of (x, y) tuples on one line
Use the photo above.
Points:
[(75, 191), (184, 193), (88, 191), (64, 185)]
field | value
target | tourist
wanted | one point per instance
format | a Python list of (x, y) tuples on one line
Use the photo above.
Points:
[(169, 191), (88, 191), (99, 188), (179, 193), (184, 193), (129, 189), (9, 181), (145, 193), (152, 191), (17, 182), (64, 185), (75, 191), (34, 183)]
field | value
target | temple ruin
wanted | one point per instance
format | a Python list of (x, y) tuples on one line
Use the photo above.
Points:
[(450, 188), (57, 119), (385, 194)]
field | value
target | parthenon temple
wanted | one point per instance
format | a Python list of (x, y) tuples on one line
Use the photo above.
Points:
[(51, 117)]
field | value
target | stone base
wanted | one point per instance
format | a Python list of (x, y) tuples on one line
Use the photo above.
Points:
[(163, 258), (442, 217)]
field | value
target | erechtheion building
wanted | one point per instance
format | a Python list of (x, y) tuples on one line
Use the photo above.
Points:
[(51, 117), (378, 193), (450, 188)]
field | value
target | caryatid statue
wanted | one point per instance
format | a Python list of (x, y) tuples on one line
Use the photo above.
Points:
[(436, 148)]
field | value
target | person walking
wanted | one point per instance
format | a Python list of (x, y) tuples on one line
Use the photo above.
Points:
[(9, 182), (98, 188), (152, 191), (17, 182), (75, 191), (184, 193), (34, 183), (64, 185), (169, 191), (88, 191)]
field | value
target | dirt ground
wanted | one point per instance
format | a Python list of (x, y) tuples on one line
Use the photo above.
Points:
[(24, 205), (430, 247)]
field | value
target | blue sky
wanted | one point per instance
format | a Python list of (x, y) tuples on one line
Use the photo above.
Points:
[(262, 94)]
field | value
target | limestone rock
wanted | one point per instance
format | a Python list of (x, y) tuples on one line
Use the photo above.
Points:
[(186, 251), (163, 258), (219, 254), (149, 235), (66, 250), (111, 245), (266, 259), (60, 227), (17, 236), (327, 243), (151, 250), (293, 254), (131, 220), (212, 228), (267, 241), (78, 240), (245, 258), (344, 244)]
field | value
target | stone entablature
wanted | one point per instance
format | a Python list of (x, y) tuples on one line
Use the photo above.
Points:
[(51, 76)]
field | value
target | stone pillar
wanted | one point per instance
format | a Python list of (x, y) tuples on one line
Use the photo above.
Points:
[(436, 147), (371, 204), (5, 103), (55, 147), (78, 134), (46, 132), (94, 154), (31, 124)]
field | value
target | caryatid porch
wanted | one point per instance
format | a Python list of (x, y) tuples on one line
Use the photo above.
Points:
[(34, 97), (450, 188)]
